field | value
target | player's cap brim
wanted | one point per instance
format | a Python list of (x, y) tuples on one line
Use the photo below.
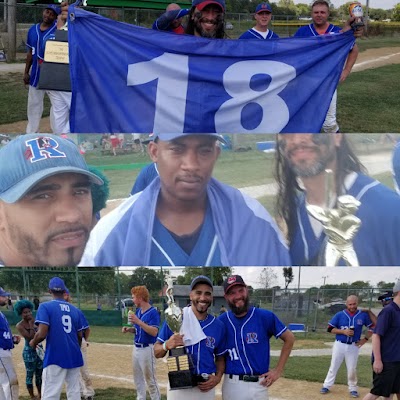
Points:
[(167, 137), (19, 190)]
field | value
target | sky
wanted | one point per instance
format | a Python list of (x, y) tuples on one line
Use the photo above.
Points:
[(384, 4)]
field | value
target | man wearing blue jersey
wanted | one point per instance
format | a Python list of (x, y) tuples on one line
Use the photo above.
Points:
[(145, 323), (185, 217), (46, 206), (301, 161), (8, 376), (396, 167), (60, 323), (171, 20), (386, 349), (321, 26), (262, 16), (37, 35), (248, 331), (203, 337), (145, 177), (347, 325)]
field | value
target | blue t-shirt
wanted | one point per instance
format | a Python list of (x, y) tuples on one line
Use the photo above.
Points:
[(64, 321), (388, 328), (150, 317), (6, 339), (35, 42), (344, 320), (204, 352), (247, 340), (145, 177), (309, 30)]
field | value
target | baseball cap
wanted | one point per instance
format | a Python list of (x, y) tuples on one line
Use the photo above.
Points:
[(396, 287), (28, 159), (57, 284), (3, 292), (263, 7), (233, 280), (386, 296), (201, 279), (166, 137), (200, 4), (54, 8)]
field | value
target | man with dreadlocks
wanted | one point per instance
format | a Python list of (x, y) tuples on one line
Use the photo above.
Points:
[(300, 172)]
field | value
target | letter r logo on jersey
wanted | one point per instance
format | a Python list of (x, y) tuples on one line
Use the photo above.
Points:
[(42, 148), (252, 337)]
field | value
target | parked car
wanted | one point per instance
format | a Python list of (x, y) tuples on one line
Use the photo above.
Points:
[(229, 26)]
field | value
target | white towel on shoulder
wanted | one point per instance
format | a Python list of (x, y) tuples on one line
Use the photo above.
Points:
[(191, 328)]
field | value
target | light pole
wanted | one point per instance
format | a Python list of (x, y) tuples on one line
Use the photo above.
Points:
[(322, 297)]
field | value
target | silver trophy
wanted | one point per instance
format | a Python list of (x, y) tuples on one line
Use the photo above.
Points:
[(179, 363), (340, 226)]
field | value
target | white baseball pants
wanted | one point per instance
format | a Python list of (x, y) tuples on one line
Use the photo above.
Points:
[(192, 394), (330, 124), (348, 353), (35, 109), (59, 117), (53, 381), (85, 381), (144, 372), (8, 377), (234, 389)]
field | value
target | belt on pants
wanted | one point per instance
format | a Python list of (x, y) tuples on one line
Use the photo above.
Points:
[(245, 378), (141, 345), (341, 341)]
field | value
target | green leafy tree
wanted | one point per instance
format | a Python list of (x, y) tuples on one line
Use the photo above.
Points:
[(396, 12), (218, 274), (148, 277), (303, 10), (288, 275)]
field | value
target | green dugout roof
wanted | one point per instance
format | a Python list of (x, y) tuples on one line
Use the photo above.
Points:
[(154, 5)]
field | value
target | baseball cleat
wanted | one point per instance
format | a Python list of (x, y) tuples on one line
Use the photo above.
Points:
[(324, 390), (354, 394)]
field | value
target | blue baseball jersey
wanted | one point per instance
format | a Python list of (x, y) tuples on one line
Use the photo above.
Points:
[(64, 321), (247, 340), (35, 41), (145, 177), (309, 30), (150, 317), (396, 167), (380, 207), (166, 250), (253, 34), (344, 320), (6, 339), (204, 352)]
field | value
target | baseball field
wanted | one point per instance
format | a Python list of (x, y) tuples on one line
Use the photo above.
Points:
[(111, 371)]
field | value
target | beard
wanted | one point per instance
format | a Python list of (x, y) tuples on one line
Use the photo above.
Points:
[(210, 34), (239, 310)]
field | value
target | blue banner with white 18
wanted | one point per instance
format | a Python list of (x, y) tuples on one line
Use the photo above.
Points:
[(129, 79)]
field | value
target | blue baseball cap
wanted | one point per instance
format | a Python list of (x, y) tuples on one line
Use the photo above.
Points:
[(54, 8), (167, 137), (263, 7), (57, 284), (200, 279), (4, 293), (28, 159), (200, 4)]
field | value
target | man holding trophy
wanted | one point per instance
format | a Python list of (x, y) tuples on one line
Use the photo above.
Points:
[(301, 164), (145, 322), (195, 342)]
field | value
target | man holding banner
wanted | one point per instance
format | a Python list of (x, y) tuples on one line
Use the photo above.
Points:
[(171, 20), (300, 172), (185, 217), (321, 26)]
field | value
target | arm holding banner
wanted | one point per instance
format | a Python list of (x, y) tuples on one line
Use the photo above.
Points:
[(351, 60)]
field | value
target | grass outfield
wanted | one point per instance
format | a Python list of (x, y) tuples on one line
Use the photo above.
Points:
[(314, 369)]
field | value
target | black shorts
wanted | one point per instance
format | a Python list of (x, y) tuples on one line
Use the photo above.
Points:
[(388, 381)]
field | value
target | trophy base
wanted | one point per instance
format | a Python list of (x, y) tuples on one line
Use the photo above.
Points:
[(180, 380)]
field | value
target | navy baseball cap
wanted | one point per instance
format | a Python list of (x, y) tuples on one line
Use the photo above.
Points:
[(386, 296), (57, 284), (263, 7), (54, 8), (200, 4), (231, 281), (166, 137), (28, 159), (200, 279), (4, 293)]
